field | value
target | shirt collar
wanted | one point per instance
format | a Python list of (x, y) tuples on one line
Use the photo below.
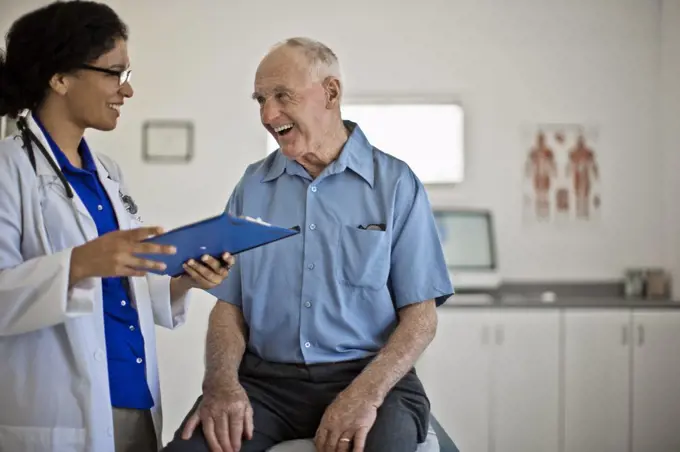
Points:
[(64, 163), (357, 155)]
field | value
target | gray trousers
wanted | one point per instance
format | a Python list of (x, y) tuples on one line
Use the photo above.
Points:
[(289, 400), (133, 431)]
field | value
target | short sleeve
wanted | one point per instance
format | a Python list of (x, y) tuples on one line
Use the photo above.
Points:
[(230, 289), (418, 269)]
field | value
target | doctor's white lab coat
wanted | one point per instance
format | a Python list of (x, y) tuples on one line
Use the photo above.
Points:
[(54, 391)]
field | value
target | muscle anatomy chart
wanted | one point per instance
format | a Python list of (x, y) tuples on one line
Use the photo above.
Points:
[(561, 174)]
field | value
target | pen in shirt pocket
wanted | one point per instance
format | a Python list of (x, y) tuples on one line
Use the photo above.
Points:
[(374, 227)]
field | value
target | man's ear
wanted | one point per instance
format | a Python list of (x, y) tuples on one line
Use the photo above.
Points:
[(333, 90), (59, 83)]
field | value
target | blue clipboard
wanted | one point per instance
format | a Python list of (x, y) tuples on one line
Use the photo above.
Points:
[(214, 236)]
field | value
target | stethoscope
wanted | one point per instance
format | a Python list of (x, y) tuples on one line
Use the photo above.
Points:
[(28, 138)]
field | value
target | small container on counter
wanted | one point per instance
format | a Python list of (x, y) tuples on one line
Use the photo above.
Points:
[(649, 283)]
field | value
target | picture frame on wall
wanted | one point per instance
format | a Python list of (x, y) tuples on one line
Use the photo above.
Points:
[(167, 141)]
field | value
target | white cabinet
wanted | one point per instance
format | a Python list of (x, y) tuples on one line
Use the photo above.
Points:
[(525, 390), (455, 372), (656, 377), (597, 381), (556, 380), (492, 378)]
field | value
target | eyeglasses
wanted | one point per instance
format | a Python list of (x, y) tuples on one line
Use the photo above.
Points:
[(123, 76)]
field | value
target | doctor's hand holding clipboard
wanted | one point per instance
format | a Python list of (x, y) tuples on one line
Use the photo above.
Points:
[(117, 254)]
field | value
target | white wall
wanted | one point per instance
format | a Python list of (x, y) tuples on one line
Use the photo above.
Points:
[(537, 61), (670, 134), (545, 61), (508, 66)]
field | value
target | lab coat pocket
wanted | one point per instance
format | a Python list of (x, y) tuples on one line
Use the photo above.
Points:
[(363, 257), (39, 439)]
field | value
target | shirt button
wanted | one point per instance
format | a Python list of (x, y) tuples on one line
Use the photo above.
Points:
[(310, 266), (123, 302), (307, 344), (308, 304), (100, 207), (312, 226), (139, 360), (99, 355), (132, 327), (109, 431), (313, 188)]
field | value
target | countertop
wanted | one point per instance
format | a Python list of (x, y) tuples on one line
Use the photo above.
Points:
[(599, 295), (564, 302)]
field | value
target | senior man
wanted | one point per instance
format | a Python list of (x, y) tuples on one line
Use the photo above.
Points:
[(316, 336)]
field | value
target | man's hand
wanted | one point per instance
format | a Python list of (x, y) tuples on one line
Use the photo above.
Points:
[(207, 274), (347, 420), (353, 413), (226, 416)]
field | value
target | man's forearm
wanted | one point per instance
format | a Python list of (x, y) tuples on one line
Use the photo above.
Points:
[(225, 344), (416, 329)]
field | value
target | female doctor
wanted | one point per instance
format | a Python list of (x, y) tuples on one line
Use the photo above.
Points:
[(78, 368)]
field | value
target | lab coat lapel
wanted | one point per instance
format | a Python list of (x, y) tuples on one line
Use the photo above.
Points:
[(50, 180), (112, 188)]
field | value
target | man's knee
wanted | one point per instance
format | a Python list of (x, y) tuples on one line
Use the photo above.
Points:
[(197, 442), (260, 442), (395, 430)]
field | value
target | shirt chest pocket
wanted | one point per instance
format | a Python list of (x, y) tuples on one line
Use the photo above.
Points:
[(363, 257)]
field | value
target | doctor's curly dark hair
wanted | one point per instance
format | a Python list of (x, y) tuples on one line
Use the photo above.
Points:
[(54, 39)]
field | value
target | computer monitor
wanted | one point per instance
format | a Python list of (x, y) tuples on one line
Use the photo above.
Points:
[(468, 240)]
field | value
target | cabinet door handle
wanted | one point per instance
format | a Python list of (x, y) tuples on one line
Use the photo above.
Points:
[(499, 334), (624, 335), (641, 335)]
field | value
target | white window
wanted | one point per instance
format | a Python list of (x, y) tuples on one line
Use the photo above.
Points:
[(427, 136)]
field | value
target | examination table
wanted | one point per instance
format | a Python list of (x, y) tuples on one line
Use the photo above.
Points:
[(437, 441)]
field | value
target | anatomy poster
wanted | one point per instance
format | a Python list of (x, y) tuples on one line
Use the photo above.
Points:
[(561, 174)]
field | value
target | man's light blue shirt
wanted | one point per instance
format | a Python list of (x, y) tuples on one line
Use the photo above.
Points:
[(331, 293)]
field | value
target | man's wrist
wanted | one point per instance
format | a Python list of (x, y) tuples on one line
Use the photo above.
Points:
[(371, 391), (221, 384)]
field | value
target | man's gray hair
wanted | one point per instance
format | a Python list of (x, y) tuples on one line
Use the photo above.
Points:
[(322, 59)]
